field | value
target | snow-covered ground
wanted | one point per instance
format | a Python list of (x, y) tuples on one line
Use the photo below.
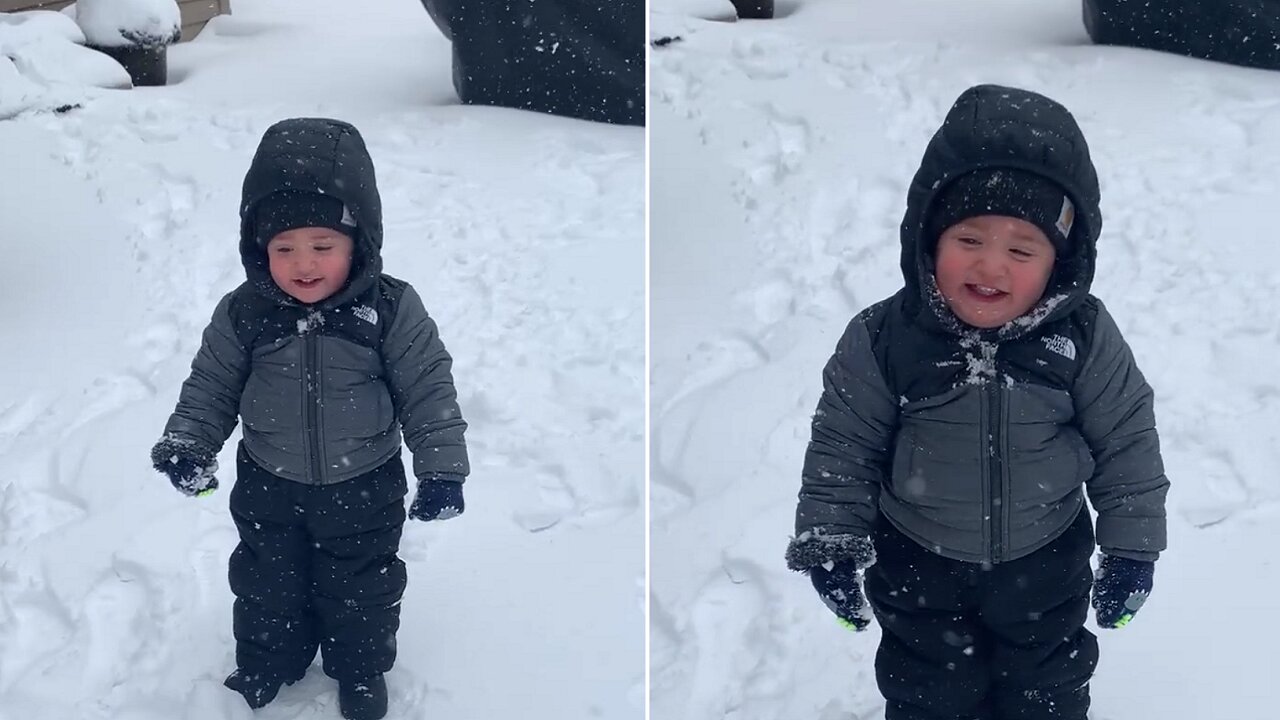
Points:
[(524, 235), (781, 152)]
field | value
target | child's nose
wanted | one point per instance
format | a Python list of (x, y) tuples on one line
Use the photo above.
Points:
[(989, 266)]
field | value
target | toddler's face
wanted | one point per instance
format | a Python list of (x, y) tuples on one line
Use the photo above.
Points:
[(993, 268), (310, 263)]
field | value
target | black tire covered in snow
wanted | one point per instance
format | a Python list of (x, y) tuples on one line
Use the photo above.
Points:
[(1240, 32), (578, 58)]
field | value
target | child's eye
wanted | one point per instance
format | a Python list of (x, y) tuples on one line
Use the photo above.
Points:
[(967, 240), (283, 250), (1023, 254), (322, 248)]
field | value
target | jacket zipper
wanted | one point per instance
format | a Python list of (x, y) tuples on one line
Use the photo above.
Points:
[(311, 404), (315, 457), (995, 468)]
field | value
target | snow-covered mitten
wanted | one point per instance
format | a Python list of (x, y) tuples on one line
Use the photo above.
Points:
[(834, 563), (258, 689), (190, 466), (1120, 588), (439, 498), (839, 584)]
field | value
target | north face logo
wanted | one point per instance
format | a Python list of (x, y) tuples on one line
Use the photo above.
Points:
[(369, 315), (1062, 345)]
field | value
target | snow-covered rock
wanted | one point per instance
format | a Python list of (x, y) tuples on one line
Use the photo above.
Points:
[(19, 28), (17, 93), (44, 63), (116, 23), (52, 63)]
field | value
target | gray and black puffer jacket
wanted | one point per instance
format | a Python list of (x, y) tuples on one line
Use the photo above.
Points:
[(981, 445), (323, 390)]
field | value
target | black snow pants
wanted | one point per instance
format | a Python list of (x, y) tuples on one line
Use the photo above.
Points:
[(316, 567), (964, 641)]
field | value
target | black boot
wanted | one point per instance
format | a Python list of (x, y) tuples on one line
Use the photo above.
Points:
[(258, 689), (363, 699)]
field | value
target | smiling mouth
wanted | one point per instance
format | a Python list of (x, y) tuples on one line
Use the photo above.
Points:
[(983, 292), (309, 283)]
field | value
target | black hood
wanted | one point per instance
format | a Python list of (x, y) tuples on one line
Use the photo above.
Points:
[(321, 156), (991, 126)]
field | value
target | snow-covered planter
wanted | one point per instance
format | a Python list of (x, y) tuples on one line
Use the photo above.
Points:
[(137, 33)]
